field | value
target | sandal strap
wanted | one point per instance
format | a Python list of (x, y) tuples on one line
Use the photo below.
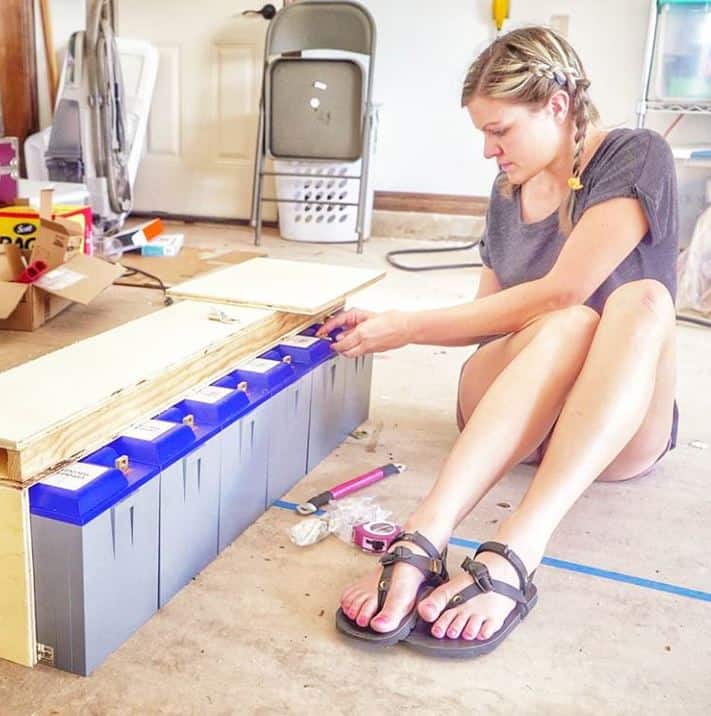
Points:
[(422, 542), (483, 583), (433, 567), (511, 557)]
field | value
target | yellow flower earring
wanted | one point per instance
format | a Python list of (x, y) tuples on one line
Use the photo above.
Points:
[(574, 183)]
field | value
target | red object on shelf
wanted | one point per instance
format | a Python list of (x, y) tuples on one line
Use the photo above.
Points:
[(33, 272)]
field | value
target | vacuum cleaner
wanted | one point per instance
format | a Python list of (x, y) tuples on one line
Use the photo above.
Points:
[(97, 138)]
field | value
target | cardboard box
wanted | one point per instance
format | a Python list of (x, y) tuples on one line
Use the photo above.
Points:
[(72, 277), (164, 245), (20, 225)]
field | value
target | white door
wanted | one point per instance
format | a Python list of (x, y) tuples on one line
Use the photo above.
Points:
[(203, 124)]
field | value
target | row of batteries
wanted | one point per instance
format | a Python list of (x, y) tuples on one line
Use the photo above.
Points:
[(117, 534)]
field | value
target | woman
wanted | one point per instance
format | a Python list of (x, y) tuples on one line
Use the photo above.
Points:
[(575, 368)]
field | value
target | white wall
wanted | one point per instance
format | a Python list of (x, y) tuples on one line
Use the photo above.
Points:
[(426, 142)]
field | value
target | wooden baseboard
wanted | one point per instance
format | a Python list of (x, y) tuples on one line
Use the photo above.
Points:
[(430, 203), (190, 219)]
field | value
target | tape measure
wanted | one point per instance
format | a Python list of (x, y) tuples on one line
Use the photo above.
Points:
[(376, 536)]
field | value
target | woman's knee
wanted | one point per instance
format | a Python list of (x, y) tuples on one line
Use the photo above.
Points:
[(570, 328), (640, 301)]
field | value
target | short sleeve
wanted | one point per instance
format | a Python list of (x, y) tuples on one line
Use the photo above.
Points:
[(484, 249), (637, 165)]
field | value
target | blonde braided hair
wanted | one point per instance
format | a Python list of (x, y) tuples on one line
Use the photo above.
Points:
[(529, 65)]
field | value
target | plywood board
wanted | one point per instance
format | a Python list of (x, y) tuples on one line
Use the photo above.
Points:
[(17, 626), (294, 286), (75, 399)]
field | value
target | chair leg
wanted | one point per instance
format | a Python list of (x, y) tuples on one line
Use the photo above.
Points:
[(363, 183), (258, 222), (257, 179)]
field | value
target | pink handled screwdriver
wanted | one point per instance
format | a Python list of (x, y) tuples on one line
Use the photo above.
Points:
[(345, 488)]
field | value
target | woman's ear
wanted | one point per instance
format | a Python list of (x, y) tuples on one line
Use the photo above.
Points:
[(559, 106)]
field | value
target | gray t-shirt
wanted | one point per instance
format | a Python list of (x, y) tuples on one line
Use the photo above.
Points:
[(633, 163)]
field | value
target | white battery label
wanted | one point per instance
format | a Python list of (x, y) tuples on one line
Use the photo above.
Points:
[(150, 430), (299, 341), (210, 394), (75, 476), (260, 365)]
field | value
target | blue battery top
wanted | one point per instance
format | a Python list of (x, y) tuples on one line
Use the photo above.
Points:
[(202, 429), (263, 378), (215, 405), (313, 329), (304, 351), (156, 442), (136, 473), (78, 492)]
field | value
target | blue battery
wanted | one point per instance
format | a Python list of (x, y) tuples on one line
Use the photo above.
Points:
[(290, 415), (326, 426), (189, 503), (357, 381), (243, 449), (95, 555), (356, 396), (276, 387), (189, 466)]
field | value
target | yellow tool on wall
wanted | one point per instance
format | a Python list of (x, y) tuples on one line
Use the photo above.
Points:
[(500, 12)]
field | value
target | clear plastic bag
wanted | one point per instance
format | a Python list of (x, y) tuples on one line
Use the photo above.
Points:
[(694, 269), (339, 519)]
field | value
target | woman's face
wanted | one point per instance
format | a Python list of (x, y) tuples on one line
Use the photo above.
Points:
[(522, 138)]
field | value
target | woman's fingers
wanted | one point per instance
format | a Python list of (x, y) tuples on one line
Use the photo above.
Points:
[(348, 319), (346, 341), (332, 323)]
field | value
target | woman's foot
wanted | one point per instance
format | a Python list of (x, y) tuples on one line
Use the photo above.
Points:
[(360, 600), (480, 617)]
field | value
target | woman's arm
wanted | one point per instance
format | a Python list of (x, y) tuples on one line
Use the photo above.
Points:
[(605, 235), (488, 285)]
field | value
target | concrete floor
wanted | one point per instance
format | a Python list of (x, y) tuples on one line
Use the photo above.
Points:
[(254, 633)]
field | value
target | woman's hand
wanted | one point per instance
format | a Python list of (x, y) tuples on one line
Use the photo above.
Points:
[(345, 319), (369, 332)]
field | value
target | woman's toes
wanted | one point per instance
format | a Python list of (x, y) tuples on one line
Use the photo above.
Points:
[(439, 629), (472, 628), (489, 628), (347, 601), (398, 602), (353, 607), (455, 628), (365, 612), (429, 609)]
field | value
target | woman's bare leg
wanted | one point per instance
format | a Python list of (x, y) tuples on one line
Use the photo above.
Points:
[(615, 422), (511, 419)]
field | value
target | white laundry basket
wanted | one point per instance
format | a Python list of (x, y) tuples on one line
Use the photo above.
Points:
[(325, 181)]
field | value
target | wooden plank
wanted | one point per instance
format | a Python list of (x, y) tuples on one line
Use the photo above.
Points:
[(430, 203), (76, 399), (294, 286), (17, 625)]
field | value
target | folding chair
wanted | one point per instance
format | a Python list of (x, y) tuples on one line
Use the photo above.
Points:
[(316, 108)]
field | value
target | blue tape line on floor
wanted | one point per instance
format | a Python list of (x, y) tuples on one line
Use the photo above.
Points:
[(580, 568)]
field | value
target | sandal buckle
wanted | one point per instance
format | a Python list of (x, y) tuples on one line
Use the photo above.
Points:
[(435, 566), (479, 573), (396, 555)]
